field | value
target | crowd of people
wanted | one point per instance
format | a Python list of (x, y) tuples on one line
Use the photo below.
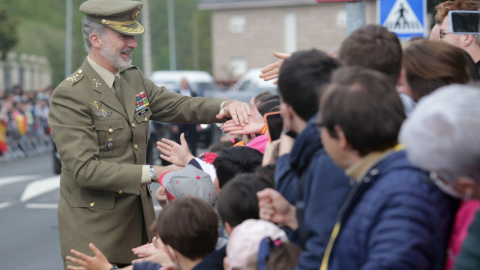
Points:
[(24, 122), (377, 166)]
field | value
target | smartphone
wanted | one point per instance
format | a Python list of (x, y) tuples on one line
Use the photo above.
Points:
[(274, 124), (464, 21)]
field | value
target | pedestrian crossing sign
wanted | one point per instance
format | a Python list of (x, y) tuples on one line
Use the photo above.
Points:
[(406, 18)]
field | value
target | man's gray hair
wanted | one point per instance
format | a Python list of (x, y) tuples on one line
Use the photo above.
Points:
[(443, 132), (89, 27)]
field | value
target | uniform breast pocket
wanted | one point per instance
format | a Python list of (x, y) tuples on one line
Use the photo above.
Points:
[(108, 133), (142, 123)]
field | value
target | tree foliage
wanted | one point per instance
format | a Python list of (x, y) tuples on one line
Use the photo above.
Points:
[(41, 31), (8, 31)]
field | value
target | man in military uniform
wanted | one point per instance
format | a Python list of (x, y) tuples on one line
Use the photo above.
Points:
[(99, 120)]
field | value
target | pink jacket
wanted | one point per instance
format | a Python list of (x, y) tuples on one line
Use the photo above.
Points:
[(463, 219)]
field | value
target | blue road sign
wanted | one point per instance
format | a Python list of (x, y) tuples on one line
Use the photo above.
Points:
[(406, 18)]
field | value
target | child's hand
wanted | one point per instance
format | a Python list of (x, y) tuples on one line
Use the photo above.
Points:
[(161, 196), (145, 250), (158, 255), (98, 262)]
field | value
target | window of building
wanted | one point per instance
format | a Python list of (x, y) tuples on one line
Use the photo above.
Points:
[(290, 34), (238, 24), (238, 66), (341, 21)]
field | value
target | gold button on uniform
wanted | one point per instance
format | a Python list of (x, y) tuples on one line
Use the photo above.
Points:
[(136, 146), (133, 125), (110, 130), (80, 71), (120, 192), (92, 204), (146, 118)]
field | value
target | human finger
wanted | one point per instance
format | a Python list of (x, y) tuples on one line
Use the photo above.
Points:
[(264, 215), (265, 194), (164, 148), (269, 67), (95, 250), (271, 77), (139, 260), (283, 56), (71, 267), (79, 254), (234, 116), (272, 72), (232, 128), (183, 141), (167, 158), (169, 142), (76, 261)]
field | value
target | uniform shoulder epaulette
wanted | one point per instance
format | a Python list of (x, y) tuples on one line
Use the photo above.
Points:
[(130, 67), (75, 77)]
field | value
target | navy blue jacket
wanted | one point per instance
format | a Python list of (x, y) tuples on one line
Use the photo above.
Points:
[(214, 261), (395, 218), (320, 189)]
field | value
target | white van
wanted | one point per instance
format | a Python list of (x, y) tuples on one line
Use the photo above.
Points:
[(250, 85), (201, 82)]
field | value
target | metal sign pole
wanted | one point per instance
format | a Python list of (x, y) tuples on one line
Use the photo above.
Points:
[(355, 15)]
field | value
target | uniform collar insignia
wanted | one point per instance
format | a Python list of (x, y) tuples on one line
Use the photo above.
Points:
[(96, 82)]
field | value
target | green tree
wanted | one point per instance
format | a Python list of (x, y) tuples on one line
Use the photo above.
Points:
[(8, 31)]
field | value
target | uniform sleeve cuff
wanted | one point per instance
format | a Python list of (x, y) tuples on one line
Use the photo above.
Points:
[(146, 175)]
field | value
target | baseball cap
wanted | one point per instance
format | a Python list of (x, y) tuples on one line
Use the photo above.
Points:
[(189, 182)]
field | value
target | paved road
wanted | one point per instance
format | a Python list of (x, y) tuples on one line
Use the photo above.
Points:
[(29, 193)]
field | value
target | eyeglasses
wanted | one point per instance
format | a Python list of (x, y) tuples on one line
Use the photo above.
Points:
[(443, 34)]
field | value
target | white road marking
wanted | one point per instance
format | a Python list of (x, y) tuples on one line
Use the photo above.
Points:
[(15, 179), (5, 204), (38, 188), (41, 205)]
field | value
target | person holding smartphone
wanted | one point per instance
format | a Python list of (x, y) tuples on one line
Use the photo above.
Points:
[(442, 29), (301, 157)]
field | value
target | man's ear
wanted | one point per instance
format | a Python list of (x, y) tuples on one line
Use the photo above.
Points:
[(96, 40), (467, 40), (286, 110), (228, 228), (342, 140)]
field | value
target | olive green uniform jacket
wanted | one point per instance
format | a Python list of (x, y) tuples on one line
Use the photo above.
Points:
[(102, 146)]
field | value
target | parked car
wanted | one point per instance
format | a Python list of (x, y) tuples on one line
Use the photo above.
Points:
[(248, 86), (203, 84)]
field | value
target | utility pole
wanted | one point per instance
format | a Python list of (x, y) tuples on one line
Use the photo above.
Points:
[(355, 15), (171, 36), (196, 64), (146, 44), (68, 40)]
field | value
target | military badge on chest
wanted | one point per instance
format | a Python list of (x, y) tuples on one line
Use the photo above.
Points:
[(103, 114), (141, 104), (110, 144)]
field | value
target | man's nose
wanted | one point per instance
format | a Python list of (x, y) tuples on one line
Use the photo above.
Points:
[(132, 42)]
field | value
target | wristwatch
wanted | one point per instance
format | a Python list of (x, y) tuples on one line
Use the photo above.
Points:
[(153, 174)]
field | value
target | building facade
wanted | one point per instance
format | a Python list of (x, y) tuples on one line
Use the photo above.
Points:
[(246, 33)]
